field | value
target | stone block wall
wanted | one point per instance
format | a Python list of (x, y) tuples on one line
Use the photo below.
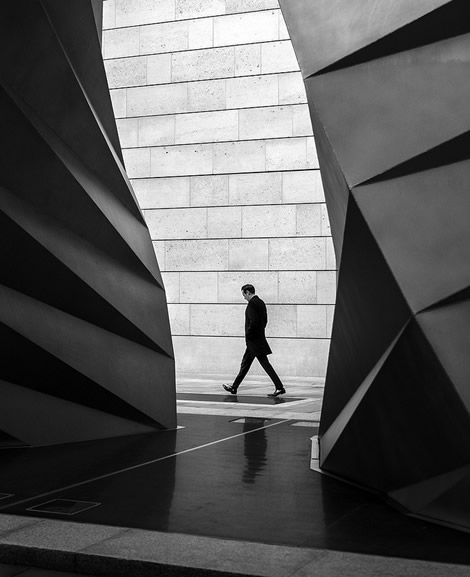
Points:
[(213, 121)]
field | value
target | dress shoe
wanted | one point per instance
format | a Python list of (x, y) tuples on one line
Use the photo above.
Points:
[(277, 392), (230, 389)]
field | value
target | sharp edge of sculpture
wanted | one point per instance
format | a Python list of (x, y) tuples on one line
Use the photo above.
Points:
[(85, 339), (388, 86)]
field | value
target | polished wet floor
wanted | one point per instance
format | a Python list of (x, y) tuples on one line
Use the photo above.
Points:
[(219, 476)]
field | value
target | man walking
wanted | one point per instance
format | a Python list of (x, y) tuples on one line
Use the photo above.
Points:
[(256, 319)]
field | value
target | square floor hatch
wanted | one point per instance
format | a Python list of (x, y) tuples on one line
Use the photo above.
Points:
[(64, 506)]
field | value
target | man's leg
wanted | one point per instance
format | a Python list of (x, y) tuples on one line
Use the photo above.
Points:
[(267, 366), (246, 363)]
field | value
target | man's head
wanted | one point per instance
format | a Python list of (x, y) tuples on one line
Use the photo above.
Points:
[(248, 291)]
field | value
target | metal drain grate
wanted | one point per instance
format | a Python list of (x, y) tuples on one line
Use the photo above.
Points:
[(64, 506)]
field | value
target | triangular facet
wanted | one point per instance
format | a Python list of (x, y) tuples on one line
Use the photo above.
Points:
[(444, 22), (384, 123), (404, 216), (370, 313), (391, 441)]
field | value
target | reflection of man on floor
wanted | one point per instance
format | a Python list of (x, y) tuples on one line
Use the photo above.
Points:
[(256, 319)]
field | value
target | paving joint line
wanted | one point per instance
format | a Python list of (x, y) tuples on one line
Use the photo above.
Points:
[(133, 467)]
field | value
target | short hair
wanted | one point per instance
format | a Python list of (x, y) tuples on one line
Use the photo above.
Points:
[(248, 288)]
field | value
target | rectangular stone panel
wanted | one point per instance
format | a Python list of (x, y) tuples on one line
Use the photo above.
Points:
[(312, 321), (286, 154), (230, 283), (300, 357), (160, 252), (330, 311), (181, 160), (124, 72), (119, 102), (247, 60), (159, 69), (162, 192), (109, 14), (298, 286), (137, 162), (326, 287), (292, 89), (268, 122), (128, 130), (283, 32), (248, 254), (330, 254), (133, 12), (156, 130), (208, 355), (278, 57), (159, 99), (309, 220), (252, 91), (171, 281), (198, 287), (209, 190), (302, 186), (297, 254), (325, 221), (120, 42), (242, 156), (224, 222), (269, 221), (206, 127), (206, 95), (233, 6), (177, 223), (260, 188), (165, 37), (225, 320), (200, 33), (282, 321), (203, 64), (301, 123), (196, 255), (179, 315), (246, 28), (312, 158), (199, 8)]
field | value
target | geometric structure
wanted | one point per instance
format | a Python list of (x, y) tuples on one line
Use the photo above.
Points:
[(388, 86), (86, 344)]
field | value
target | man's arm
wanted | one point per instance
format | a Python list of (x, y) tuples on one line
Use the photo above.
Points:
[(252, 320)]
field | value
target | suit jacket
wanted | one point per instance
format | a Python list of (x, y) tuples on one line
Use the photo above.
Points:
[(256, 319)]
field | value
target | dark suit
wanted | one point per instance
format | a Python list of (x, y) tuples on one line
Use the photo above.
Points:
[(256, 319)]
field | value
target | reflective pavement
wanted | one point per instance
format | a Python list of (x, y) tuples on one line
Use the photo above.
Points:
[(235, 476)]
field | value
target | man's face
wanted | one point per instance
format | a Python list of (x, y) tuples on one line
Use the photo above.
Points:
[(246, 295)]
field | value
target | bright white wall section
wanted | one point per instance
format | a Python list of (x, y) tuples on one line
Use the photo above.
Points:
[(217, 140)]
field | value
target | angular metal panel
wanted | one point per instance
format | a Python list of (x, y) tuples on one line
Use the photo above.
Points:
[(388, 85), (86, 343)]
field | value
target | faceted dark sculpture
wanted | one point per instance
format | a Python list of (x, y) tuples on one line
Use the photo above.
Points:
[(85, 341), (388, 85)]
